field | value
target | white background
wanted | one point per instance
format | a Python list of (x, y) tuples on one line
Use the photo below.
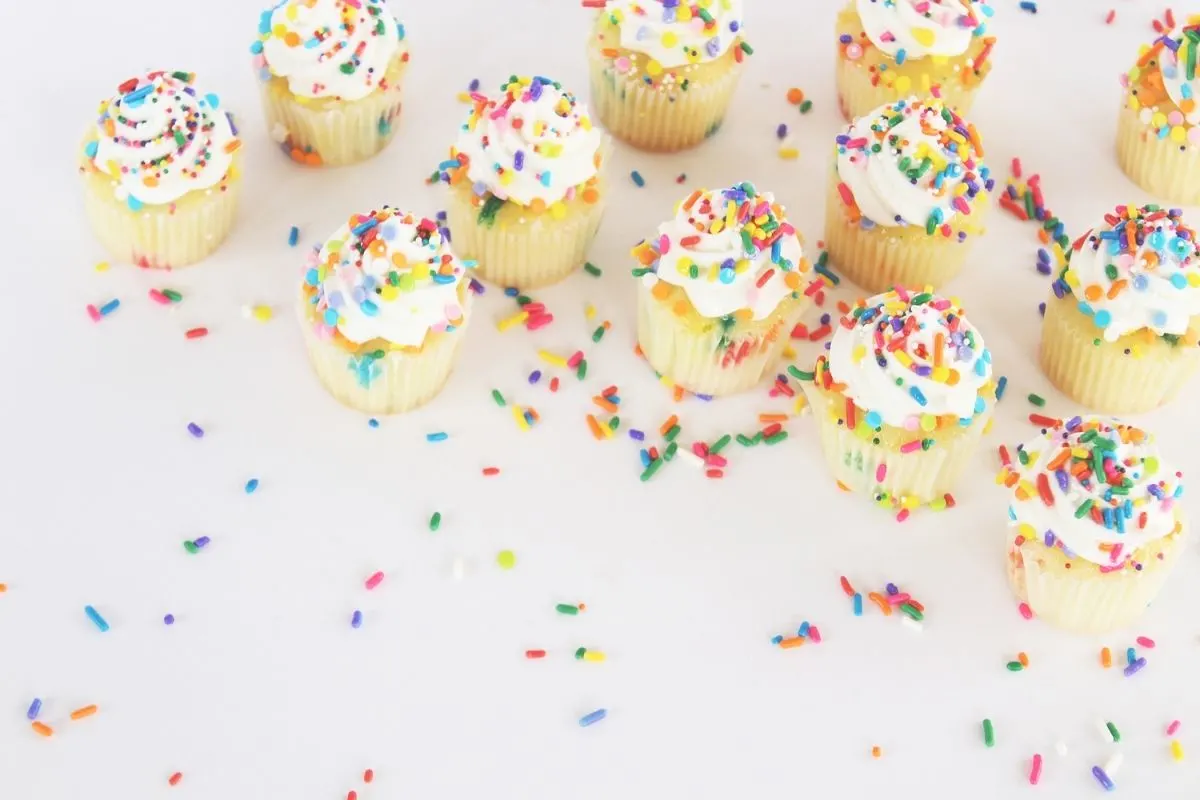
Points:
[(262, 690)]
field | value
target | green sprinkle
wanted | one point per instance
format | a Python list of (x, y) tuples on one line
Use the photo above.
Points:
[(1084, 508), (524, 300), (581, 370), (669, 453), (567, 608), (172, 295), (743, 441), (592, 269), (800, 374), (487, 214), (806, 106), (598, 334), (776, 438), (672, 433), (191, 547), (747, 49), (911, 610), (922, 298), (648, 473), (579, 654), (499, 398), (614, 423), (931, 224), (640, 271), (1112, 729), (758, 437), (1037, 400), (1015, 666), (989, 734), (435, 521), (720, 444)]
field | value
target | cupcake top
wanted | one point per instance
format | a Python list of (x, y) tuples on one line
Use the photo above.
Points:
[(1140, 270), (1096, 488), (675, 33), (534, 145), (336, 49), (729, 250), (385, 275), (909, 360), (1163, 87), (911, 163), (910, 29), (159, 138)]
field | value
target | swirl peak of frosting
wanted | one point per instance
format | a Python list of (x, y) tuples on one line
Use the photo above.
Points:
[(1140, 270), (675, 33), (729, 250), (534, 145), (908, 360), (328, 48), (1095, 488), (910, 29), (158, 138), (911, 163), (386, 275)]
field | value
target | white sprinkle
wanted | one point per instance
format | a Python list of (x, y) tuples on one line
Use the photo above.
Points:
[(1061, 748), (1114, 764), (912, 623)]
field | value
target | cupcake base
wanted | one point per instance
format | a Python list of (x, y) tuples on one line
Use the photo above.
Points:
[(858, 96), (1164, 168), (1134, 374), (1075, 595)]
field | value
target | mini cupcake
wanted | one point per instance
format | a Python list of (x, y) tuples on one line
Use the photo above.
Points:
[(331, 74), (1098, 524), (903, 398), (1122, 331), (526, 189), (1158, 129), (907, 192), (722, 284), (383, 307), (664, 71), (160, 171), (889, 49)]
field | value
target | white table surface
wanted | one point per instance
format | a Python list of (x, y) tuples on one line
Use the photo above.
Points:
[(262, 689)]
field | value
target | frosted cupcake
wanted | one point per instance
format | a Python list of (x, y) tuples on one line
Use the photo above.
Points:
[(903, 398), (1122, 332), (383, 307), (331, 73), (907, 194), (1098, 525), (1158, 138), (890, 49), (160, 171), (722, 284), (526, 188), (664, 71)]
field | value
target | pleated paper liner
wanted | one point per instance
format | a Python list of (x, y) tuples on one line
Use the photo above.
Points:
[(522, 248), (657, 118), (162, 236), (399, 380), (1138, 372), (857, 95), (329, 132), (893, 467), (690, 351), (1167, 169), (1082, 598), (879, 258)]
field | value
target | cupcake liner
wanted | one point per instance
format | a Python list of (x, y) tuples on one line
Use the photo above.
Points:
[(658, 119), (688, 352), (880, 257), (1165, 169), (1082, 598), (333, 133), (1102, 376), (521, 248), (165, 236), (399, 381), (860, 465)]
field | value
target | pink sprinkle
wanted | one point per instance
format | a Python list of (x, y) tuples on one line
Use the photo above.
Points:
[(93, 312), (159, 297), (814, 635), (910, 447), (936, 91), (574, 360), (715, 460), (1035, 772), (880, 473), (374, 580), (1016, 167), (540, 321), (1174, 726), (903, 515), (664, 245), (1145, 641), (898, 598), (1111, 16), (1025, 610), (700, 449)]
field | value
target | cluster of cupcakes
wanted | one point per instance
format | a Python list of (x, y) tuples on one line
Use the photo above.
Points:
[(905, 391)]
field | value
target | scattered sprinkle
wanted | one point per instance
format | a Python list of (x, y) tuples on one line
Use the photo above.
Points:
[(82, 713), (592, 718), (592, 269), (1035, 770), (252, 486), (42, 729), (989, 734), (435, 521), (374, 580), (293, 236), (1103, 779), (1037, 400), (169, 619), (96, 619), (175, 778), (34, 708), (195, 430), (638, 180), (506, 559), (196, 333), (439, 436)]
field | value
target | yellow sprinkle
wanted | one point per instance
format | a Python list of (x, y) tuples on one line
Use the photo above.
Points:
[(788, 352), (551, 359), (519, 415), (789, 153), (903, 84), (1176, 748), (262, 313), (593, 655), (589, 311), (801, 405), (463, 97), (516, 319)]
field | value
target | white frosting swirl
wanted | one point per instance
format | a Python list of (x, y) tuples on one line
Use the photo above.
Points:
[(1061, 501), (536, 142), (671, 35), (902, 357), (918, 27), (910, 162), (159, 139), (1155, 284), (754, 263), (329, 48), (386, 275)]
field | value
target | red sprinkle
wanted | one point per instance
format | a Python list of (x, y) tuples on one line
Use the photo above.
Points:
[(368, 776), (351, 795), (847, 588), (714, 473), (1043, 421), (176, 778), (1111, 16), (535, 653), (197, 333), (554, 384), (1016, 167), (490, 471)]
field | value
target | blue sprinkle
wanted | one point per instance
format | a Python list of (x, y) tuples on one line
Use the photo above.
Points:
[(96, 619), (917, 395), (293, 236), (1001, 385), (473, 86), (1028, 5), (212, 100), (34, 708), (356, 619), (636, 435), (169, 619), (511, 291), (90, 149), (133, 203), (374, 423), (256, 48), (202, 542), (109, 307), (873, 419), (858, 604), (901, 54), (1130, 656), (803, 630), (592, 718), (440, 436), (776, 639), (644, 455), (252, 486), (637, 178)]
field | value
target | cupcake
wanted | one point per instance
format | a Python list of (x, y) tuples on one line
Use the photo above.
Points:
[(383, 307), (903, 398), (1098, 524), (889, 49), (663, 71), (1122, 331), (526, 194), (160, 169), (722, 285), (331, 73), (907, 192), (1158, 138)]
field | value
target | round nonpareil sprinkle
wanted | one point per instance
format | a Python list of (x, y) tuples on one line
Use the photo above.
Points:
[(506, 559)]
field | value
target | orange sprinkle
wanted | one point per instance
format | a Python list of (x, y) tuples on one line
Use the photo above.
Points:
[(42, 729), (595, 426), (794, 641), (605, 403), (768, 418), (677, 394), (86, 711), (233, 145), (884, 605), (876, 752), (1106, 658), (1024, 659), (670, 423), (795, 96), (590, 195), (3, 588)]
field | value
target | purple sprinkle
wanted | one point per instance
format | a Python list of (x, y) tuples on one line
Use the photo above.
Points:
[(845, 38), (1049, 539), (636, 435), (356, 619), (233, 128), (34, 708), (473, 85), (1135, 666), (169, 619), (1044, 268), (202, 541), (1042, 309), (535, 91), (892, 589), (781, 131), (535, 376), (704, 397), (519, 160), (476, 287), (195, 430)]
